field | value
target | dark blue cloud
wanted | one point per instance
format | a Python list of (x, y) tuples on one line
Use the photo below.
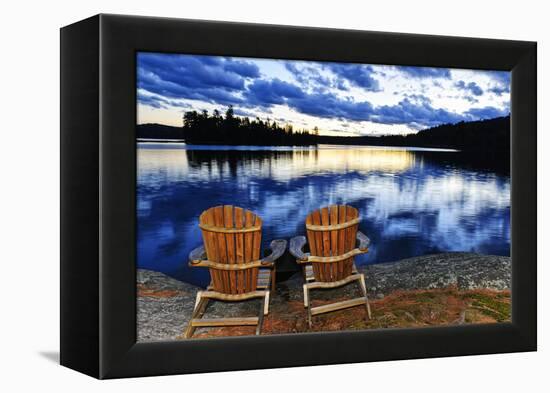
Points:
[(244, 113), (500, 77), (425, 72), (471, 87), (296, 72), (341, 85), (242, 68), (310, 77), (356, 74), (499, 90), (416, 112), (501, 82), (228, 81), (329, 106), (189, 71), (152, 101), (153, 84), (271, 92), (471, 99), (421, 113), (487, 112), (208, 78), (158, 102), (416, 109), (418, 98)]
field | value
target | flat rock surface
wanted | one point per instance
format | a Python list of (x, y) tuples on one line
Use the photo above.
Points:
[(466, 271), (165, 304)]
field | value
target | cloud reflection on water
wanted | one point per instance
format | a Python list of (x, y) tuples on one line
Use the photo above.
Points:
[(411, 203)]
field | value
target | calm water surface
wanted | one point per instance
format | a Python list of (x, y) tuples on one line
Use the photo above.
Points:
[(412, 201)]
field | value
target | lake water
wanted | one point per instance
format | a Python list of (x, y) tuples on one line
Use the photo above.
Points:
[(411, 201)]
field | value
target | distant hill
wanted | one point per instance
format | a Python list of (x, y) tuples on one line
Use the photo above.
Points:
[(159, 131), (476, 136), (473, 135), (467, 136)]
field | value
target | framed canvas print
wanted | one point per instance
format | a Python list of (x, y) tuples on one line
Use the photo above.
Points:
[(269, 196)]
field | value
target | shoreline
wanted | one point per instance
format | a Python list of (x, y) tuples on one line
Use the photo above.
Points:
[(435, 289), (226, 146)]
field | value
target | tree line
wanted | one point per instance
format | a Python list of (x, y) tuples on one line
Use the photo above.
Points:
[(203, 128), (484, 136)]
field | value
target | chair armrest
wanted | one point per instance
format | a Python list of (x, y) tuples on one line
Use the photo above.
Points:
[(197, 255), (364, 241), (278, 248), (296, 245)]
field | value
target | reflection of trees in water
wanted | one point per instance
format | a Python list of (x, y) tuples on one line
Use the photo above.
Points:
[(424, 191), (216, 160), (286, 165), (484, 162)]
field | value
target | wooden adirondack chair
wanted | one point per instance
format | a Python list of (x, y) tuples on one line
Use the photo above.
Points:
[(332, 236), (231, 251)]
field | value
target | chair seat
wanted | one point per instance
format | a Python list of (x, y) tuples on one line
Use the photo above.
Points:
[(264, 279), (309, 272)]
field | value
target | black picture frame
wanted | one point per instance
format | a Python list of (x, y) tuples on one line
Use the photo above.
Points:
[(98, 191)]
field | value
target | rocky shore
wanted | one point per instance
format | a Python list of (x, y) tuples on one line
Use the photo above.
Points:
[(435, 289), (465, 271)]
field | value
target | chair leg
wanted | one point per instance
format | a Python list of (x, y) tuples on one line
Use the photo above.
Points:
[(266, 303), (262, 312), (198, 312), (307, 305), (202, 308), (197, 300), (364, 290)]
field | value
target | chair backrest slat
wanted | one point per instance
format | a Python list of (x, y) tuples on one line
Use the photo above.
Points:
[(230, 246), (342, 238), (256, 245), (248, 241), (225, 243), (336, 269), (351, 232), (211, 244), (239, 248), (327, 271), (222, 246), (329, 241)]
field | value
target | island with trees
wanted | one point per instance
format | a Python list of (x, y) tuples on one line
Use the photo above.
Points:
[(201, 128)]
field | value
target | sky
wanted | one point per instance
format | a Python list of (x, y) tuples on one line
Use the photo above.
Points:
[(338, 98)]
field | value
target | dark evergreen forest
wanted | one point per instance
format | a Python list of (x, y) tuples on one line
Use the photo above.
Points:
[(203, 128)]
